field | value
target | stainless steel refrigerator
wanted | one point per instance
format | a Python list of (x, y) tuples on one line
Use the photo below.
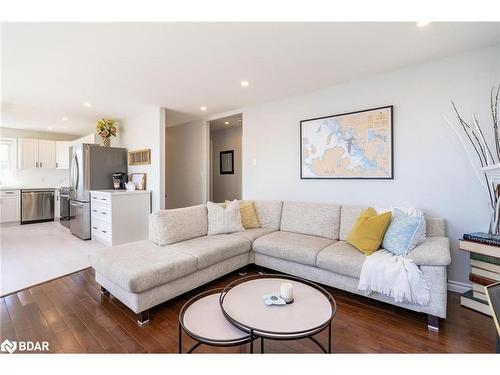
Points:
[(91, 168)]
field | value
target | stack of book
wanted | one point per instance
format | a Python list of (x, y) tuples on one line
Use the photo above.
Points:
[(485, 268)]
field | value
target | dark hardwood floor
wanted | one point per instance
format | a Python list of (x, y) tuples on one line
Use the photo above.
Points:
[(73, 317)]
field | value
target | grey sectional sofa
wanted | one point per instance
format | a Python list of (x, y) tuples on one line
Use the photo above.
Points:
[(303, 239)]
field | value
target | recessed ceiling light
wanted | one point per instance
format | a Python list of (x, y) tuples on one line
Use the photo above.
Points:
[(65, 118), (226, 122), (87, 104), (244, 83), (50, 128), (203, 108), (423, 23)]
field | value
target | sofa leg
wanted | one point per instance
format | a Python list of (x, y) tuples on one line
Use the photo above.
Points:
[(143, 318), (104, 291), (432, 323)]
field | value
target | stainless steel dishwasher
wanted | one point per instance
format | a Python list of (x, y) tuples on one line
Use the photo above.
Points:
[(37, 205)]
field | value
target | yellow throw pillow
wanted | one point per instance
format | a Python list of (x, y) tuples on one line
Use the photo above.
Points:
[(249, 218), (368, 231)]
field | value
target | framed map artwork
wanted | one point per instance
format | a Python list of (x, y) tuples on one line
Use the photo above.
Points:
[(355, 145)]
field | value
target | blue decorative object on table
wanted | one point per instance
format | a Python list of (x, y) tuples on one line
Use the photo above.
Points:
[(273, 299)]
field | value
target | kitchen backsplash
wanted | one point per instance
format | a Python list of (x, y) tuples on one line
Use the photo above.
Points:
[(42, 177)]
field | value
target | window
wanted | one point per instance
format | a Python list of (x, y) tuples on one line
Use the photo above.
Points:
[(7, 159)]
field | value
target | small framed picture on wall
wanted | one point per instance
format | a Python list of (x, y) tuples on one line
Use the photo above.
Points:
[(227, 162), (139, 180)]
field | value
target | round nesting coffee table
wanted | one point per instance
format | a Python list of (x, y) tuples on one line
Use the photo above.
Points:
[(201, 319), (311, 312)]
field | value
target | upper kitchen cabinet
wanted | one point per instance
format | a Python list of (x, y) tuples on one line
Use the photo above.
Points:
[(28, 153), (46, 154), (36, 153), (62, 154)]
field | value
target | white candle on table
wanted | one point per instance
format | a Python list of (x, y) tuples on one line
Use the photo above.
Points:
[(286, 292)]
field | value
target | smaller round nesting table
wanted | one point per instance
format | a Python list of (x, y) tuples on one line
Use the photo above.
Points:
[(201, 319), (237, 314)]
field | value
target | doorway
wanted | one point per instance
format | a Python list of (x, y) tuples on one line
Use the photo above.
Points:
[(225, 158)]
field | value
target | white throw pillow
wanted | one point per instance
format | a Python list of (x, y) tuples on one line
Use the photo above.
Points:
[(224, 220), (410, 211)]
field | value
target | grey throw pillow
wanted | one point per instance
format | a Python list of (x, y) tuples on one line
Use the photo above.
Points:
[(224, 220)]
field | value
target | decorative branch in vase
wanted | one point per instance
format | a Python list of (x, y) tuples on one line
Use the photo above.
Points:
[(489, 173), (106, 128)]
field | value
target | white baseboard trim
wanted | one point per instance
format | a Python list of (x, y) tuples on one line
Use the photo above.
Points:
[(456, 286)]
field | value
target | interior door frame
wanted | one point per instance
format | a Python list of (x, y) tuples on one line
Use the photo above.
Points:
[(209, 165)]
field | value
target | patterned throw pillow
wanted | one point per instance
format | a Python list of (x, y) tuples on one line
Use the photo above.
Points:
[(224, 219), (410, 211), (404, 233), (249, 218)]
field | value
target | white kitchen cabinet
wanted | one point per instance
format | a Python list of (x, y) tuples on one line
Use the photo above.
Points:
[(36, 153), (10, 206), (46, 154), (62, 154), (119, 217), (28, 153)]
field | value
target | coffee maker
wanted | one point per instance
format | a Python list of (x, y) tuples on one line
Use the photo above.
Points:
[(119, 180)]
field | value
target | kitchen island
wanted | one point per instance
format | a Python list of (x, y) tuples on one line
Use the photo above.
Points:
[(119, 216)]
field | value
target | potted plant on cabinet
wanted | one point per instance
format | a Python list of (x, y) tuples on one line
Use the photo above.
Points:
[(106, 128)]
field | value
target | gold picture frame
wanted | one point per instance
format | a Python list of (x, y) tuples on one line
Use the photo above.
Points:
[(139, 157)]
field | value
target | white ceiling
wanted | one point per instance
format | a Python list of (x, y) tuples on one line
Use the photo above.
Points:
[(50, 69), (232, 122)]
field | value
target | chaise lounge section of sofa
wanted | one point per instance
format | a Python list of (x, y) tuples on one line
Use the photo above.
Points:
[(302, 239)]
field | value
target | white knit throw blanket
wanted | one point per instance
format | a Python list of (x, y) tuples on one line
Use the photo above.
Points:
[(394, 276)]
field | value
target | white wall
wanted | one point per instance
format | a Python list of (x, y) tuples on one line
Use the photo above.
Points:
[(431, 170), (142, 131), (226, 186), (94, 138), (186, 156)]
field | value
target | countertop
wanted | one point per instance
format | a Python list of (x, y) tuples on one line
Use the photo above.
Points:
[(121, 192), (27, 187)]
